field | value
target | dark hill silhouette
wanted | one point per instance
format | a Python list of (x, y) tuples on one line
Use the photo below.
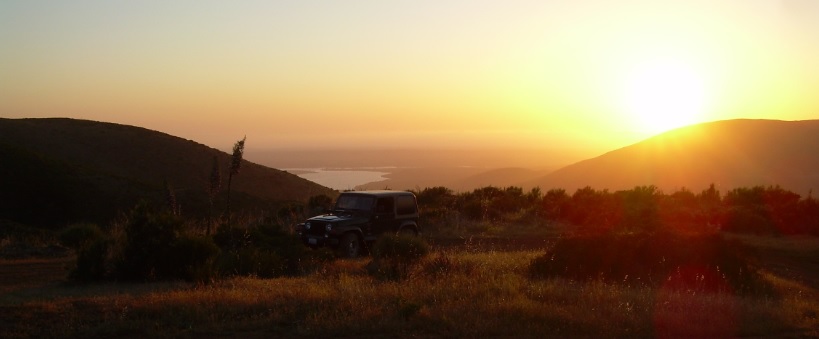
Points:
[(729, 154), (63, 170)]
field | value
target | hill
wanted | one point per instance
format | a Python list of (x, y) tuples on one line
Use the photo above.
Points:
[(729, 154), (63, 170)]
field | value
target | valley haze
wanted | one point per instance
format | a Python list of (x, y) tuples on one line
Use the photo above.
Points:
[(727, 154)]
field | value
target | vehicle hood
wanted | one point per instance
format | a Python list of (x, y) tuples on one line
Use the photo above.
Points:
[(339, 218)]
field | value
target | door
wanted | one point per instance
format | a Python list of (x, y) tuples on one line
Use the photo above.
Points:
[(384, 216)]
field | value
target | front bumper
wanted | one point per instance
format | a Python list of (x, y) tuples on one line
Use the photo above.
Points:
[(318, 241)]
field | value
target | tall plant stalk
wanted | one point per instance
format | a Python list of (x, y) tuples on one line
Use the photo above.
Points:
[(214, 185), (235, 166)]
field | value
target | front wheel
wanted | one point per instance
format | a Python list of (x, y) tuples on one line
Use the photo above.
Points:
[(407, 232), (350, 246)]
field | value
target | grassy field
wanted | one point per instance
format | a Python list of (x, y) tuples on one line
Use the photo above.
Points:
[(453, 292)]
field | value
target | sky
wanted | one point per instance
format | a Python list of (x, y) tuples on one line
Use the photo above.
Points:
[(443, 74)]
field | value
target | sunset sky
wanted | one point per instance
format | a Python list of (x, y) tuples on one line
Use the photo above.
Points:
[(410, 74)]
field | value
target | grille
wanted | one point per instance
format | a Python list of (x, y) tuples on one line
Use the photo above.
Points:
[(317, 228)]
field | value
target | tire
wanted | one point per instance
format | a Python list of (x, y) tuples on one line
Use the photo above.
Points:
[(349, 246)]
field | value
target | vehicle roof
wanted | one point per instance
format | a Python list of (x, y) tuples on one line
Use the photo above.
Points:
[(379, 192)]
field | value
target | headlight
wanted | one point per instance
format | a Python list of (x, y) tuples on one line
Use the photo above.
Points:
[(307, 226), (329, 227)]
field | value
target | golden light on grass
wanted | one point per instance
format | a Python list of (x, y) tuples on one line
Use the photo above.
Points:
[(478, 294)]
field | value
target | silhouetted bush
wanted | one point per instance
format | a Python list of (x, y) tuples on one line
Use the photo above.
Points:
[(150, 237), (264, 250), (401, 248), (251, 261), (78, 235), (641, 209), (555, 204), (753, 220), (92, 260), (193, 258), (318, 204), (394, 256), (705, 262)]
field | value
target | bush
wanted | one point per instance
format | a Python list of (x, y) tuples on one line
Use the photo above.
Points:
[(251, 261), (264, 250), (192, 258), (407, 249), (150, 237), (394, 256), (92, 261), (77, 236), (708, 262), (748, 220)]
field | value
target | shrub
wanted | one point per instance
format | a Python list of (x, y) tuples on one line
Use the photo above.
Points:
[(748, 220), (402, 248), (705, 262), (251, 261), (77, 236), (149, 240), (192, 258), (264, 250), (92, 263), (394, 256)]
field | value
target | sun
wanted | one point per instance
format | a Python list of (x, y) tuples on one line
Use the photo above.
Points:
[(660, 95)]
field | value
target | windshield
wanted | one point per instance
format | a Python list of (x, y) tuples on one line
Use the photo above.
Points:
[(355, 202)]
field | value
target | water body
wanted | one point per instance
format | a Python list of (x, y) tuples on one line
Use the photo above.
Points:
[(339, 179)]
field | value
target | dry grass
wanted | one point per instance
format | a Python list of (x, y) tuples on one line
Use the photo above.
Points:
[(449, 294)]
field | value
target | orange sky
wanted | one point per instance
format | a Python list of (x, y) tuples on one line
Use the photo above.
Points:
[(411, 74)]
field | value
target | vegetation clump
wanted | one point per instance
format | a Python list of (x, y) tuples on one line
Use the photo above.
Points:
[(264, 250), (77, 236), (394, 256), (702, 262)]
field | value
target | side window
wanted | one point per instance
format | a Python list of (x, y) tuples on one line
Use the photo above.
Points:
[(406, 204), (384, 205)]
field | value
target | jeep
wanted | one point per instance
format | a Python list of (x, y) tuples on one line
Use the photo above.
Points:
[(359, 218)]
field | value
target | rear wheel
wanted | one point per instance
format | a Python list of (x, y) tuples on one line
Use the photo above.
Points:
[(350, 246)]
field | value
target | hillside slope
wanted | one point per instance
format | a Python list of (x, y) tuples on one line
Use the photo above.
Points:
[(729, 154), (61, 170)]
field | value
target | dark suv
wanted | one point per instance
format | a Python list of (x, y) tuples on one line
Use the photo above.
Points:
[(359, 218)]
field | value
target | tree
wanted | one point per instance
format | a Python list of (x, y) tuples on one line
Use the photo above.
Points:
[(235, 166)]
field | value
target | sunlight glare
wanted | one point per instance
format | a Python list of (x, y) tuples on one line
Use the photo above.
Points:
[(664, 94)]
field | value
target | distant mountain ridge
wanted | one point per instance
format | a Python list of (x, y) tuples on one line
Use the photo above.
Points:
[(729, 154), (103, 167)]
